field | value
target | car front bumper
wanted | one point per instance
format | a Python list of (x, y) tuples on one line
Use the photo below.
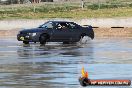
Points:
[(28, 37), (22, 37)]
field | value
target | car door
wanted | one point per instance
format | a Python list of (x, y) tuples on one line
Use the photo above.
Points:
[(74, 31), (60, 33)]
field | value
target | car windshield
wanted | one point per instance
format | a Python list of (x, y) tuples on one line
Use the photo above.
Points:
[(47, 25)]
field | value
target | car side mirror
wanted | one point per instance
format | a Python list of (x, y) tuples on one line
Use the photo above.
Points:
[(59, 28), (46, 27)]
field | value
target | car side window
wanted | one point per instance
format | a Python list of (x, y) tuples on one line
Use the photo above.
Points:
[(48, 25), (62, 26), (72, 26)]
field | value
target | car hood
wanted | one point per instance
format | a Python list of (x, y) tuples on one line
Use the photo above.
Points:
[(32, 30)]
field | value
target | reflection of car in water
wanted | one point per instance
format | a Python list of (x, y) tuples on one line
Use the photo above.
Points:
[(55, 31), (51, 50)]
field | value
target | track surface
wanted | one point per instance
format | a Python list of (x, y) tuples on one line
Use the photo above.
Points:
[(59, 66)]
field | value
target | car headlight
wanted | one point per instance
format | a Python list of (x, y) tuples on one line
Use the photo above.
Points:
[(33, 34)]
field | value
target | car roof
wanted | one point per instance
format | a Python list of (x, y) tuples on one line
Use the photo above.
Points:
[(61, 21)]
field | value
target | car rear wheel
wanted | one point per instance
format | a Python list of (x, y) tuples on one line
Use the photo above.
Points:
[(43, 38), (66, 42), (84, 39), (25, 42)]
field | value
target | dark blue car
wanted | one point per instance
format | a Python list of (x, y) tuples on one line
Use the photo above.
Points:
[(55, 31)]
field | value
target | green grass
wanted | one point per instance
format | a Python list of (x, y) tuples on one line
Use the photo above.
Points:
[(66, 11)]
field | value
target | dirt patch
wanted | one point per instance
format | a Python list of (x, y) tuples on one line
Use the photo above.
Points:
[(113, 32), (8, 33)]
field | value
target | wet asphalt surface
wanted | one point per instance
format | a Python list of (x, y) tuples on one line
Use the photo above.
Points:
[(59, 66)]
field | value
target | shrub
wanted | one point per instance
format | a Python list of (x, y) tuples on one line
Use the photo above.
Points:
[(93, 6)]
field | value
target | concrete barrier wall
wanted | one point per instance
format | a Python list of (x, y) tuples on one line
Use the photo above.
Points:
[(96, 22), (17, 24), (108, 22)]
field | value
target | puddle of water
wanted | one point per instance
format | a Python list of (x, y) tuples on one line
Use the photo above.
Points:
[(57, 65)]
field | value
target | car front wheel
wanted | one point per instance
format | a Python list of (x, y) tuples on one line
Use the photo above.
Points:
[(43, 39), (25, 42)]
